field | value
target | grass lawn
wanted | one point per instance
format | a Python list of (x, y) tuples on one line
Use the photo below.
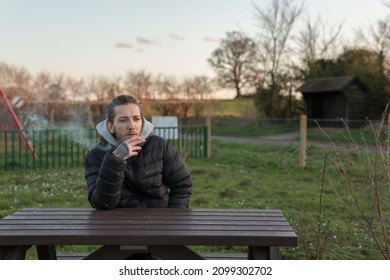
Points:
[(319, 201)]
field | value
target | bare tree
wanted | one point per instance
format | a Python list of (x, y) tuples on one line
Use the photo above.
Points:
[(5, 75), (91, 86), (235, 61), (318, 40), (197, 87), (22, 77), (275, 22), (167, 87), (139, 84), (114, 87), (41, 82), (15, 81), (12, 76), (377, 38), (57, 88), (317, 43), (102, 87), (76, 87)]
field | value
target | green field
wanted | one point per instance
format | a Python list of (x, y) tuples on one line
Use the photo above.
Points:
[(319, 201), (339, 205)]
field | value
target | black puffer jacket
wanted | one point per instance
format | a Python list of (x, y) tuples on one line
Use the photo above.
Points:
[(155, 178)]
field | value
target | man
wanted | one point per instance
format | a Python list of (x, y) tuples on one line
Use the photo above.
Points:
[(130, 167)]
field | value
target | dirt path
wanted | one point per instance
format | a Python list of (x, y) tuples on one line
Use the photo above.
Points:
[(286, 138), (281, 139)]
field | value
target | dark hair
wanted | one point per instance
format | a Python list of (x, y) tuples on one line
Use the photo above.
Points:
[(119, 100)]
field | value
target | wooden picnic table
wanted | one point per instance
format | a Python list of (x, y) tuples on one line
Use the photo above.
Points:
[(165, 233)]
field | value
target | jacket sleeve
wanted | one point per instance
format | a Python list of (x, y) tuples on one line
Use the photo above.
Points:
[(177, 178), (104, 174)]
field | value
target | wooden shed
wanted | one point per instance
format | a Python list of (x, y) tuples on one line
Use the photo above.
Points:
[(335, 97)]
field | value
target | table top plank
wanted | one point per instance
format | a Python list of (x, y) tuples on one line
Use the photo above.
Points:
[(152, 210), (66, 222), (126, 226), (155, 212), (206, 238), (147, 227)]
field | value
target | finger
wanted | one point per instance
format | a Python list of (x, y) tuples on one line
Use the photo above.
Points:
[(133, 151), (135, 142), (132, 139)]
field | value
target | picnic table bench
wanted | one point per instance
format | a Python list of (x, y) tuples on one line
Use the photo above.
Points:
[(165, 233)]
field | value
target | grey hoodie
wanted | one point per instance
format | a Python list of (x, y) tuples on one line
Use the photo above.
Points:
[(147, 129)]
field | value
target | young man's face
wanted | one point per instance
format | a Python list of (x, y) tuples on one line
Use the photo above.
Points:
[(127, 122)]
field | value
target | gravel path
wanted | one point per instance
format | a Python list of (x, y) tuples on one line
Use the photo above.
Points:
[(283, 139), (286, 138)]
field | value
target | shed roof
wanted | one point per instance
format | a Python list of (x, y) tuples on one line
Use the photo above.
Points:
[(330, 84)]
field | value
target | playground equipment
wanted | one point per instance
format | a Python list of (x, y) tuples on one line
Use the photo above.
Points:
[(16, 123)]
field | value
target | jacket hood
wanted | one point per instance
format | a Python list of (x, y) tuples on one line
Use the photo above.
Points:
[(147, 129)]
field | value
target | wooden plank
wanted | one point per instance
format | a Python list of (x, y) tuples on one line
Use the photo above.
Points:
[(174, 253), (163, 233), (46, 252), (207, 238), (225, 256), (263, 253), (14, 252), (146, 227), (145, 220), (130, 215), (112, 252), (207, 256), (170, 212), (157, 210), (72, 255), (112, 214), (259, 253), (60, 226), (143, 217), (140, 221)]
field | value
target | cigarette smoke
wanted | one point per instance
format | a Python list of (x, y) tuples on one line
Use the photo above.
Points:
[(34, 121), (73, 129)]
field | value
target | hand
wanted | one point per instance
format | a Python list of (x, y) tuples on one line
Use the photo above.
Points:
[(133, 146), (128, 148)]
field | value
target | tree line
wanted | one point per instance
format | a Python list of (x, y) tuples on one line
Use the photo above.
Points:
[(283, 54), (289, 48), (143, 85)]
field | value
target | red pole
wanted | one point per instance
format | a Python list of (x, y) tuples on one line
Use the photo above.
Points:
[(18, 124)]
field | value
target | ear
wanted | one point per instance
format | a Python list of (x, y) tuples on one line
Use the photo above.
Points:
[(110, 127)]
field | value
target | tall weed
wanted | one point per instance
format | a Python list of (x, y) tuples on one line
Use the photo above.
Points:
[(365, 174)]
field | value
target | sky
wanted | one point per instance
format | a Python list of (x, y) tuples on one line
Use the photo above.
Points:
[(171, 37)]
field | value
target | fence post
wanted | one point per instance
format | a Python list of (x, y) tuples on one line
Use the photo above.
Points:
[(208, 124), (303, 141)]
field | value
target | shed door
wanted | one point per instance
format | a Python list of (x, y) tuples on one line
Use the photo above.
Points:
[(333, 106)]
